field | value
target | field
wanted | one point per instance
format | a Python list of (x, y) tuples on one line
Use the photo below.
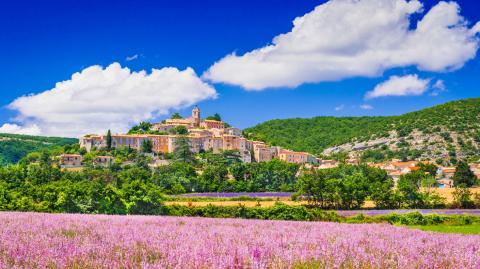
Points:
[(444, 192), (462, 229), (34, 240)]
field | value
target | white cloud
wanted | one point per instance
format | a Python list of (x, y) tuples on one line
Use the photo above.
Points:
[(366, 107), (400, 86), (17, 129), (97, 99), (340, 108), (350, 38), (438, 87), (131, 58)]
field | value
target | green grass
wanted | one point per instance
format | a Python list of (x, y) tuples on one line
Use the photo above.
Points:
[(461, 229)]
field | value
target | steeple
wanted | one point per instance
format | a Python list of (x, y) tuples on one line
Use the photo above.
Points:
[(196, 116)]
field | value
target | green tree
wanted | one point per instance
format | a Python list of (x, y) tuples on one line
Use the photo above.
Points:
[(176, 115), (462, 197), (109, 140), (142, 128), (147, 146), (215, 116), (183, 151), (429, 168), (409, 187), (463, 175)]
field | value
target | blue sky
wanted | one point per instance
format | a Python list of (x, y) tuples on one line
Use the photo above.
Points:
[(45, 43)]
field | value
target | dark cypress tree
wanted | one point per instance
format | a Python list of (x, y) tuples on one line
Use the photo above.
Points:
[(183, 151), (463, 175), (109, 140)]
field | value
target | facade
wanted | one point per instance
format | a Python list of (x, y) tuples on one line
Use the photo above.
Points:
[(203, 135), (293, 156), (211, 124), (103, 160), (70, 160)]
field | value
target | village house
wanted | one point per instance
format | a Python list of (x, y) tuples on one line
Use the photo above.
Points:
[(103, 161), (203, 135), (326, 164), (476, 169), (447, 172), (293, 156), (70, 160)]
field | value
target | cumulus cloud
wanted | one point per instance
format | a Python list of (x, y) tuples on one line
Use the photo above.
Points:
[(97, 99), (17, 129), (400, 86), (350, 38), (366, 107)]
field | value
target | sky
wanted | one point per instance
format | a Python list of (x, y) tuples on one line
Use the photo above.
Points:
[(69, 68)]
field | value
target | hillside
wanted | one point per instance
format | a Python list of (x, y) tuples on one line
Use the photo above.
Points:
[(13, 147), (445, 131)]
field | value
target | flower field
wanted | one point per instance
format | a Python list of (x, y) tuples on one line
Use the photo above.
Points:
[(34, 240), (239, 194)]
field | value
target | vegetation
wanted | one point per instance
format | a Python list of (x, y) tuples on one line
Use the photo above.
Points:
[(14, 147), (176, 115), (215, 116), (316, 134), (461, 229), (347, 187), (463, 175), (109, 140)]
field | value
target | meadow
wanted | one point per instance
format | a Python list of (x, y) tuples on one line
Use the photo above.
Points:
[(38, 240)]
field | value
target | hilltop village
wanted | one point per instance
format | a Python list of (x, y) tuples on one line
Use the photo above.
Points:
[(202, 135), (216, 136)]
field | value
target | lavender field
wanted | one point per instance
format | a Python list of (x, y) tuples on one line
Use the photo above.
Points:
[(239, 194), (34, 240)]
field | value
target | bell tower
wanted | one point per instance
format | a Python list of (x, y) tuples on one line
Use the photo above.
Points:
[(196, 116)]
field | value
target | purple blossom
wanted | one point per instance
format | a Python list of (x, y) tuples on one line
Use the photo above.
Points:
[(238, 194), (35, 240)]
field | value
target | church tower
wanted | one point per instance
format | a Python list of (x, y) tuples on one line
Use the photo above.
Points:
[(196, 116)]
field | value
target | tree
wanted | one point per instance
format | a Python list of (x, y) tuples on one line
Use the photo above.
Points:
[(183, 152), (462, 197), (109, 140), (429, 168), (147, 146), (179, 129), (142, 128), (409, 187), (176, 115), (463, 175), (215, 116)]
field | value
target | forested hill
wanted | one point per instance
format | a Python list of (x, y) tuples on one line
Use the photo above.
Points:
[(13, 147), (450, 127)]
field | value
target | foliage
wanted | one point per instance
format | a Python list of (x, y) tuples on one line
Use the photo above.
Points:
[(462, 197), (109, 140), (463, 175), (179, 129), (183, 151), (14, 147), (142, 128), (176, 115), (147, 146), (316, 134), (345, 187), (215, 116)]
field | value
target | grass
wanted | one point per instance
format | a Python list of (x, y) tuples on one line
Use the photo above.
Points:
[(461, 229)]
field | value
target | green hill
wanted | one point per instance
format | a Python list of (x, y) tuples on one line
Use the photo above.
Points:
[(13, 147), (443, 129)]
